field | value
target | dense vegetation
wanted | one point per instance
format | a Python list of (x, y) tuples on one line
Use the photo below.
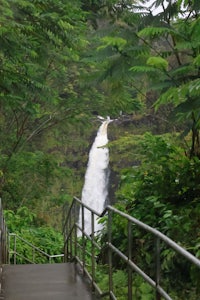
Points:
[(62, 63)]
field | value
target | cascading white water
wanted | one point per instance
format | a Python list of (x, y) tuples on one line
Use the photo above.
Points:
[(95, 192)]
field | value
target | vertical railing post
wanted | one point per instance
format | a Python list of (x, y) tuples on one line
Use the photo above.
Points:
[(75, 230), (33, 255), (93, 250), (1, 262), (130, 272), (65, 233), (70, 237), (8, 248), (66, 250), (1, 233), (15, 248), (157, 258), (4, 240), (83, 236), (110, 252)]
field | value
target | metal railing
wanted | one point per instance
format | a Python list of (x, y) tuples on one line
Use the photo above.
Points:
[(76, 249), (31, 254), (4, 247), (11, 254), (3, 238)]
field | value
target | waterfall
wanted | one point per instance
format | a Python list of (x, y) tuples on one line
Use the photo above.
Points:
[(95, 192)]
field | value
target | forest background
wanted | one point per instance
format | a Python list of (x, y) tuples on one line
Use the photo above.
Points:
[(61, 65)]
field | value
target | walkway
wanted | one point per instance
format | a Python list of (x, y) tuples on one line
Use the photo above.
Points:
[(44, 282)]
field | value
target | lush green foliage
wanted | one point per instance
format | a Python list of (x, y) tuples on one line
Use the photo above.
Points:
[(64, 62), (38, 42), (162, 190), (161, 184), (24, 223), (163, 52)]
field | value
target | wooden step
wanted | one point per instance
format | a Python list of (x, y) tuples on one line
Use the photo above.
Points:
[(44, 282)]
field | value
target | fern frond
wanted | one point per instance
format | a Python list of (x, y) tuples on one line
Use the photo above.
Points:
[(182, 70), (183, 45), (194, 88), (196, 61), (170, 96), (137, 50), (153, 32), (195, 28), (182, 94), (187, 108), (117, 42), (166, 53), (143, 69), (161, 86), (157, 62)]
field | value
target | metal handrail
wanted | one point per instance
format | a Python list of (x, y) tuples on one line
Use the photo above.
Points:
[(3, 238), (4, 256), (5, 246), (34, 251), (75, 248)]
